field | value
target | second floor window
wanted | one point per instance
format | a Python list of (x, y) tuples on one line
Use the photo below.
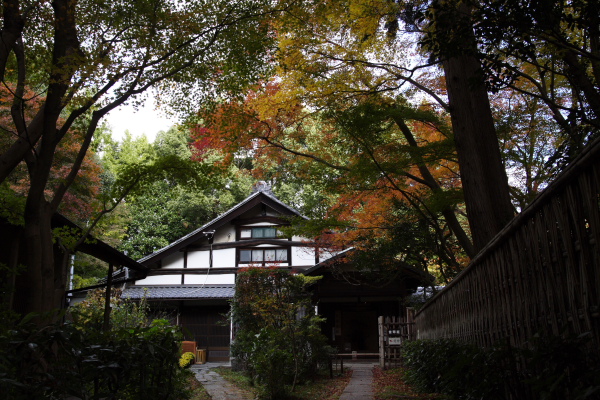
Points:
[(258, 232), (263, 255)]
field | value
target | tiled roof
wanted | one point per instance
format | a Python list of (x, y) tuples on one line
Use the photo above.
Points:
[(174, 292)]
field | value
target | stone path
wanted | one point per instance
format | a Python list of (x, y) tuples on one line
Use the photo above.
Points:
[(360, 386), (217, 387)]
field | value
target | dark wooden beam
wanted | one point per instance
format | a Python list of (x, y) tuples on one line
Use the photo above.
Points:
[(197, 271), (249, 243)]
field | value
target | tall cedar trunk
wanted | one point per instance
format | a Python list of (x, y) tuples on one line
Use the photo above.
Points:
[(41, 286), (484, 179)]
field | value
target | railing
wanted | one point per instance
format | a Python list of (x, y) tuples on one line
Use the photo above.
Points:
[(540, 275)]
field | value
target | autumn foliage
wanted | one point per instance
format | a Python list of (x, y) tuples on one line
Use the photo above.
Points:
[(370, 168), (80, 201)]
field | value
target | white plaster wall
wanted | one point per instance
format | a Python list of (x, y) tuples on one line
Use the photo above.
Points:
[(224, 258), (198, 259), (208, 279), (173, 261), (303, 256), (160, 280)]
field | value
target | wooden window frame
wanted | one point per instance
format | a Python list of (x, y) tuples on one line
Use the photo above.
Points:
[(253, 229), (263, 262)]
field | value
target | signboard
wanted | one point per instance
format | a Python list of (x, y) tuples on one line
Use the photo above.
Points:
[(395, 341)]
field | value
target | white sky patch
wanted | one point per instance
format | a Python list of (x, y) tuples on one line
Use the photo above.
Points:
[(146, 120)]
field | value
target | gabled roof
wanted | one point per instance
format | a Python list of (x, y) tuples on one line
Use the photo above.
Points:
[(180, 292), (261, 196)]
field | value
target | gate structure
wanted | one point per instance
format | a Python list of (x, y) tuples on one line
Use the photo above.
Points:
[(393, 331)]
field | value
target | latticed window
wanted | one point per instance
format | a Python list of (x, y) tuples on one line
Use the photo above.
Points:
[(263, 255), (259, 232)]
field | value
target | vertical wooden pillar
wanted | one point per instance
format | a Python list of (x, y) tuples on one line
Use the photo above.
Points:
[(410, 322), (106, 324), (381, 342)]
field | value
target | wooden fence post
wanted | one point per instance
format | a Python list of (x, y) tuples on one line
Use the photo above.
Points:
[(107, 305), (381, 343), (410, 323)]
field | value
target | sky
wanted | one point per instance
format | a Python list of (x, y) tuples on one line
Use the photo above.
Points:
[(146, 121)]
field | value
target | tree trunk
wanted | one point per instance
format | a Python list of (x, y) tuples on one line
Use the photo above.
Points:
[(484, 179), (579, 78), (36, 283), (12, 30), (11, 238), (42, 286)]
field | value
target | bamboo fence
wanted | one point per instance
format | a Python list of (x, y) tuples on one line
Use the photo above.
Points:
[(539, 275)]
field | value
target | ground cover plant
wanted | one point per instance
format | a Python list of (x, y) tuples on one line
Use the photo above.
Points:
[(321, 387), (391, 384)]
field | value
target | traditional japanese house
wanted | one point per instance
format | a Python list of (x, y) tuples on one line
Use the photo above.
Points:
[(194, 277)]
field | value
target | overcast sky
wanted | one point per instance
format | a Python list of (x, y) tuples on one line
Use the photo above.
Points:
[(146, 121)]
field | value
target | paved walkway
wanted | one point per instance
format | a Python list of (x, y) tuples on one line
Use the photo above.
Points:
[(359, 388), (217, 387)]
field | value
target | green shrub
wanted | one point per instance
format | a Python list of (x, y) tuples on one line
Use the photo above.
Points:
[(557, 368), (278, 342), (134, 361), (89, 314), (551, 368), (453, 368)]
